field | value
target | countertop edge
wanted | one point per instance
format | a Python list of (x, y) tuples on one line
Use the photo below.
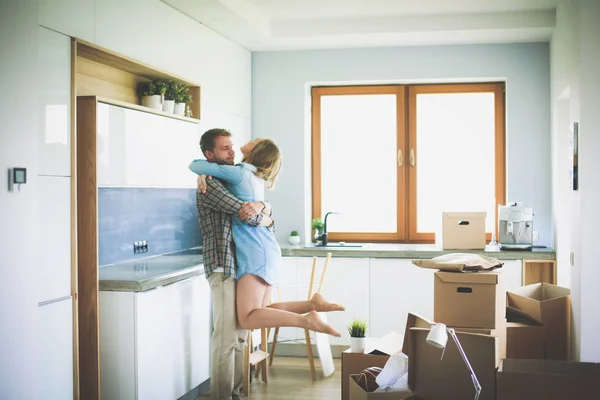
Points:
[(545, 254), (144, 285)]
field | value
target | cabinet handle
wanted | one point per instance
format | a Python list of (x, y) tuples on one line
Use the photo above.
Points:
[(400, 158), (412, 157)]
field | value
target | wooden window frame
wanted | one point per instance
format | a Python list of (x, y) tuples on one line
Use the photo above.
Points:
[(406, 131)]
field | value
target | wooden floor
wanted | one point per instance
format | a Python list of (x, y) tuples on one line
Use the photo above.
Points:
[(289, 378)]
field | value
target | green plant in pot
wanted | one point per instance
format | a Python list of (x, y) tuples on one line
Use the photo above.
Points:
[(294, 238), (317, 225), (182, 98), (150, 94), (358, 333), (170, 94)]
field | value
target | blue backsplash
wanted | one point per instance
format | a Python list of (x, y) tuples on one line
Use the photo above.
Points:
[(166, 218)]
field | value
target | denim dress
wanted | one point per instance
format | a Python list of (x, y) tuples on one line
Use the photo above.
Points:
[(256, 250)]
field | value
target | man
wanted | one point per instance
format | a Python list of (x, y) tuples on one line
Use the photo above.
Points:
[(215, 206)]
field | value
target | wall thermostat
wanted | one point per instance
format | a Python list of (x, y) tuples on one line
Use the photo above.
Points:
[(16, 176)]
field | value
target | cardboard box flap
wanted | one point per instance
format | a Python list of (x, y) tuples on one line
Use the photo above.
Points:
[(387, 345), (530, 301), (516, 315), (414, 321), (358, 393), (489, 278), (550, 367), (541, 291)]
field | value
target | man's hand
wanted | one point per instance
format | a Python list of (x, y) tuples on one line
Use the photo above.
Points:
[(250, 210), (202, 182)]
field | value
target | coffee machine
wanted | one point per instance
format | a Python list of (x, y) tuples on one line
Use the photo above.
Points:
[(515, 226)]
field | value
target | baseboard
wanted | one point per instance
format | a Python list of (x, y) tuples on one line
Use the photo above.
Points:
[(299, 350), (198, 391)]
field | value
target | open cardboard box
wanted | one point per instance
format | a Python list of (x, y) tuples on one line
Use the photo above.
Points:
[(548, 380), (377, 352), (546, 305), (432, 378), (525, 341), (358, 393)]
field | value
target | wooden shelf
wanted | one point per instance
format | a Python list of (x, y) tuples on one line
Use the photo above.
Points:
[(136, 107), (114, 79), (539, 271)]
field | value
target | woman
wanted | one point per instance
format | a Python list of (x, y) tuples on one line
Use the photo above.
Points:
[(258, 255)]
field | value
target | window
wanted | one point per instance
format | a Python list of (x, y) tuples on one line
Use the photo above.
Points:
[(390, 159)]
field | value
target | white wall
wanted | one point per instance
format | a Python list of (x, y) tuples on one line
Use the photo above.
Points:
[(18, 210), (147, 30), (575, 61), (280, 106)]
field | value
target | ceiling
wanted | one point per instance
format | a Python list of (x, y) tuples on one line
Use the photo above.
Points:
[(269, 25)]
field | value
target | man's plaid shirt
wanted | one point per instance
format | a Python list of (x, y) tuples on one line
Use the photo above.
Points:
[(215, 208)]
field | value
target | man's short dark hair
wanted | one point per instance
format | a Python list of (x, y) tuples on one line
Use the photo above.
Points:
[(207, 141)]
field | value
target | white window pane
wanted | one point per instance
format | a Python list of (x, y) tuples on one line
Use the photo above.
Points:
[(455, 157), (358, 162)]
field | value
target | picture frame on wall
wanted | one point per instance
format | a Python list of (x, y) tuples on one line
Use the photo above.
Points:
[(574, 153)]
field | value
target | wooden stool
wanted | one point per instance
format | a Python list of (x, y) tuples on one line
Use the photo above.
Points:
[(256, 358)]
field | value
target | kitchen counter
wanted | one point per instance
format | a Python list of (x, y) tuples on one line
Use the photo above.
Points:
[(148, 273), (411, 251)]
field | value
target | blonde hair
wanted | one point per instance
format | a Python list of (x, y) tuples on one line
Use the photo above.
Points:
[(267, 159)]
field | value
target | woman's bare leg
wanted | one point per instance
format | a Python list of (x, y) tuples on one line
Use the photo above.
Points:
[(251, 292), (316, 303)]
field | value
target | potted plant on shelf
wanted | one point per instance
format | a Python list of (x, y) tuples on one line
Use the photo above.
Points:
[(317, 225), (150, 94), (182, 98), (170, 95), (294, 238), (358, 331)]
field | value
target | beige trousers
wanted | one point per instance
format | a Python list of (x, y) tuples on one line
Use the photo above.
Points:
[(228, 340)]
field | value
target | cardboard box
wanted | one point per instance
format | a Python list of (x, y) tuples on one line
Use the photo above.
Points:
[(462, 231), (432, 378), (469, 299), (550, 306), (500, 333), (548, 380), (377, 352), (525, 341), (358, 393)]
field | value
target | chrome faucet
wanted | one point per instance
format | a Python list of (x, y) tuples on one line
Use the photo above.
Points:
[(323, 237)]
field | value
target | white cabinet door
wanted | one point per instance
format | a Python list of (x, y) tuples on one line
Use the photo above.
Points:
[(154, 361), (345, 283), (54, 246), (397, 287), (56, 349), (188, 336), (71, 17), (54, 131), (144, 150), (199, 314), (513, 274)]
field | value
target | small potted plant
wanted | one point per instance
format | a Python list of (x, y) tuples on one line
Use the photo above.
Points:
[(317, 225), (358, 331), (170, 94), (182, 98), (294, 238), (150, 94)]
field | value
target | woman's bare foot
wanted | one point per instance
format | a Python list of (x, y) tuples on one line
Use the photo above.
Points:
[(320, 304), (315, 323)]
